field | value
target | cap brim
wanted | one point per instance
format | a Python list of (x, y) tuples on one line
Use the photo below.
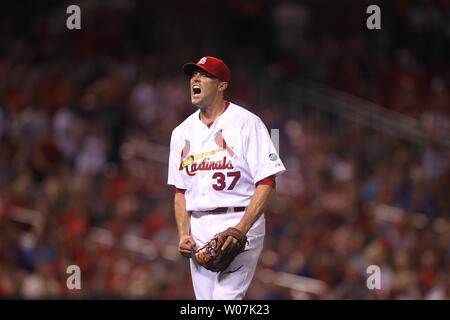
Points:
[(189, 67)]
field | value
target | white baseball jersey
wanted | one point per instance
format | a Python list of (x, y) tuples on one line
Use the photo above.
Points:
[(219, 165)]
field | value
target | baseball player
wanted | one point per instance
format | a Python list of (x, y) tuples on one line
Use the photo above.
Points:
[(223, 165)]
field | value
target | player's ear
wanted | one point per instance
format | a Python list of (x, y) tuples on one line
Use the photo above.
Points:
[(223, 86)]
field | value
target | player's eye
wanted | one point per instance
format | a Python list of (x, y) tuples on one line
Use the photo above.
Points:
[(201, 73)]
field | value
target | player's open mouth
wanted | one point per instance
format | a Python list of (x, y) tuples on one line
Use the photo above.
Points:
[(196, 90)]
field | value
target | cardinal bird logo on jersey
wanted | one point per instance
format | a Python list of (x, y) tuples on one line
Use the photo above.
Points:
[(220, 141), (191, 166), (185, 152), (186, 149)]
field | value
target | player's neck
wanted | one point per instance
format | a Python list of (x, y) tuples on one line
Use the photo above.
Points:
[(211, 113)]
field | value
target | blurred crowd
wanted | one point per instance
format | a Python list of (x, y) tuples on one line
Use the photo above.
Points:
[(85, 124)]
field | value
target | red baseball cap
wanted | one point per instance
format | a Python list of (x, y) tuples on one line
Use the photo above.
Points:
[(213, 66)]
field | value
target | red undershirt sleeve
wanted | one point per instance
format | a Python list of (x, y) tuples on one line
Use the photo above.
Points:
[(270, 180), (180, 190)]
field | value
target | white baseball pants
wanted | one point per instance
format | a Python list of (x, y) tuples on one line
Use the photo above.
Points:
[(232, 283)]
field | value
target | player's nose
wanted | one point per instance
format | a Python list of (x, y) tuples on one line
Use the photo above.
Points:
[(195, 76)]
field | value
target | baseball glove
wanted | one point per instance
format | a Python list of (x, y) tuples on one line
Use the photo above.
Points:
[(211, 256)]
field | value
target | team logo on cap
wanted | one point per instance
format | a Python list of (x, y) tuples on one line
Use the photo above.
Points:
[(202, 60)]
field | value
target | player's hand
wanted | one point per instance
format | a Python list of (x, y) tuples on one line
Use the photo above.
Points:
[(186, 246), (229, 240)]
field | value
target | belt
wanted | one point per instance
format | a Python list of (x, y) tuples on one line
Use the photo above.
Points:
[(224, 209)]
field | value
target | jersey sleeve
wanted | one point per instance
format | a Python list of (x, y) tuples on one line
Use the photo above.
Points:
[(174, 174), (261, 156)]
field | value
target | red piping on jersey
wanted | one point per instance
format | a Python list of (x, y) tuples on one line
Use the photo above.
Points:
[(226, 107)]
